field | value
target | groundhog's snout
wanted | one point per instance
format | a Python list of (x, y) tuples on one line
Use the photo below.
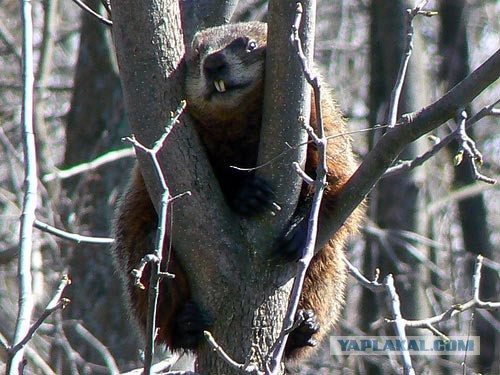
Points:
[(215, 66)]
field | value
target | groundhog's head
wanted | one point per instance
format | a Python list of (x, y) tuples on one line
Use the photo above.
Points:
[(225, 67)]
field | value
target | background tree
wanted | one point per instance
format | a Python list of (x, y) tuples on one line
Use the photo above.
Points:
[(95, 125)]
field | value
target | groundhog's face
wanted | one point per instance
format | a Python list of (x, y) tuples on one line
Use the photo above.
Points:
[(225, 67)]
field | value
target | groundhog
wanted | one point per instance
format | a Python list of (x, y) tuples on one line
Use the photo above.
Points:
[(224, 88)]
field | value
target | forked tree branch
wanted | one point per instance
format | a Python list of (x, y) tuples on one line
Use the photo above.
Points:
[(155, 259), (401, 324)]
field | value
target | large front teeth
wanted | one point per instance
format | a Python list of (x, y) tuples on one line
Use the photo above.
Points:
[(220, 86)]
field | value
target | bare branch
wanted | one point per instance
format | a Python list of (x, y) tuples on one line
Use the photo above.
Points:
[(26, 301), (245, 367), (374, 285), (45, 63), (403, 68), (91, 165), (399, 322), (56, 303), (295, 147), (7, 144), (38, 362), (78, 238)]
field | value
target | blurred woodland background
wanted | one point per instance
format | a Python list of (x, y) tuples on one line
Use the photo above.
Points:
[(425, 226)]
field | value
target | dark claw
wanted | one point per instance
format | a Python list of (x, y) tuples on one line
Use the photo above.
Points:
[(189, 326), (254, 197), (302, 335), (291, 246)]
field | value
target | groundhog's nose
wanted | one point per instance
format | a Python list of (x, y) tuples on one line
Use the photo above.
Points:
[(215, 66)]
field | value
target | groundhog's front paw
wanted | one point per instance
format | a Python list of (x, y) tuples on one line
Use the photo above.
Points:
[(189, 326), (254, 197), (303, 334), (291, 246)]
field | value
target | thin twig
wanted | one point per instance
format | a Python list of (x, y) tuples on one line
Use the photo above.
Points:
[(374, 285), (247, 367), (89, 10), (407, 165), (403, 68), (38, 362), (386, 237), (294, 147), (91, 165), (78, 238), (26, 300), (56, 303)]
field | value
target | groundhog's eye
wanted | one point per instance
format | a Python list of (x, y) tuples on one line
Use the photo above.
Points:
[(251, 45)]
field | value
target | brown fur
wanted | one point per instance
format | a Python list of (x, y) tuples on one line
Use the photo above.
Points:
[(229, 126)]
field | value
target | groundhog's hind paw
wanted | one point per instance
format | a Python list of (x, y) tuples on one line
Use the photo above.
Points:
[(189, 326), (303, 334), (254, 197)]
